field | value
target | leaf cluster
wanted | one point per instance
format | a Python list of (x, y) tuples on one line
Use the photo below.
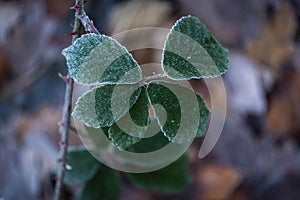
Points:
[(120, 98), (120, 102)]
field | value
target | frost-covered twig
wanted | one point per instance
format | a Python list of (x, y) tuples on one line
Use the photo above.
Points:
[(64, 125), (86, 22)]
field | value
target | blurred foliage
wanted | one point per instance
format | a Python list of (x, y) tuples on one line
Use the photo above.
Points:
[(257, 156)]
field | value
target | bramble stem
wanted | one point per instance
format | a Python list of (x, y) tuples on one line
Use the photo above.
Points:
[(87, 23), (64, 125)]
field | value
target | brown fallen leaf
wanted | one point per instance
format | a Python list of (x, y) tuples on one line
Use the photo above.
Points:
[(217, 182), (284, 115), (274, 46), (142, 13), (45, 120)]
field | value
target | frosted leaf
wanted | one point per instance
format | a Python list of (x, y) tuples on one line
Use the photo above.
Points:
[(177, 110), (104, 105), (99, 59), (132, 127), (190, 51)]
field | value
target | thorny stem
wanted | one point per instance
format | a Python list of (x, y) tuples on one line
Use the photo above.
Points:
[(64, 125), (87, 23), (81, 21)]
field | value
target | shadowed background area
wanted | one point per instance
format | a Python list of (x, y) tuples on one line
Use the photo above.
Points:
[(257, 156)]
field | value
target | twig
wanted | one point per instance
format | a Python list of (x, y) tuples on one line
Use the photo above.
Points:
[(86, 22), (64, 125)]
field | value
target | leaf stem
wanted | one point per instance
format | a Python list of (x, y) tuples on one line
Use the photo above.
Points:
[(154, 77), (64, 125)]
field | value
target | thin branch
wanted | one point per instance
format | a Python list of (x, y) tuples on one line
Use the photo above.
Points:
[(87, 23), (64, 125)]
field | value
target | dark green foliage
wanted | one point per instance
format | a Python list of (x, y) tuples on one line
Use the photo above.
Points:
[(173, 178), (105, 185), (82, 166)]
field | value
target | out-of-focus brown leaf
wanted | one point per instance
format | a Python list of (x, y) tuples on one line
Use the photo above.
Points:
[(45, 120), (284, 111), (137, 14), (217, 182), (274, 46)]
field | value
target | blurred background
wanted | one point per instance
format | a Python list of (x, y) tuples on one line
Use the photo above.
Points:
[(257, 156)]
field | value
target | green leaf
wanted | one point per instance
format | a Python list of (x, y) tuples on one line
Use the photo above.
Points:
[(104, 105), (105, 185), (191, 51), (121, 139), (82, 166), (161, 95), (204, 115), (149, 144), (98, 59), (173, 178), (140, 111), (177, 110), (130, 128)]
